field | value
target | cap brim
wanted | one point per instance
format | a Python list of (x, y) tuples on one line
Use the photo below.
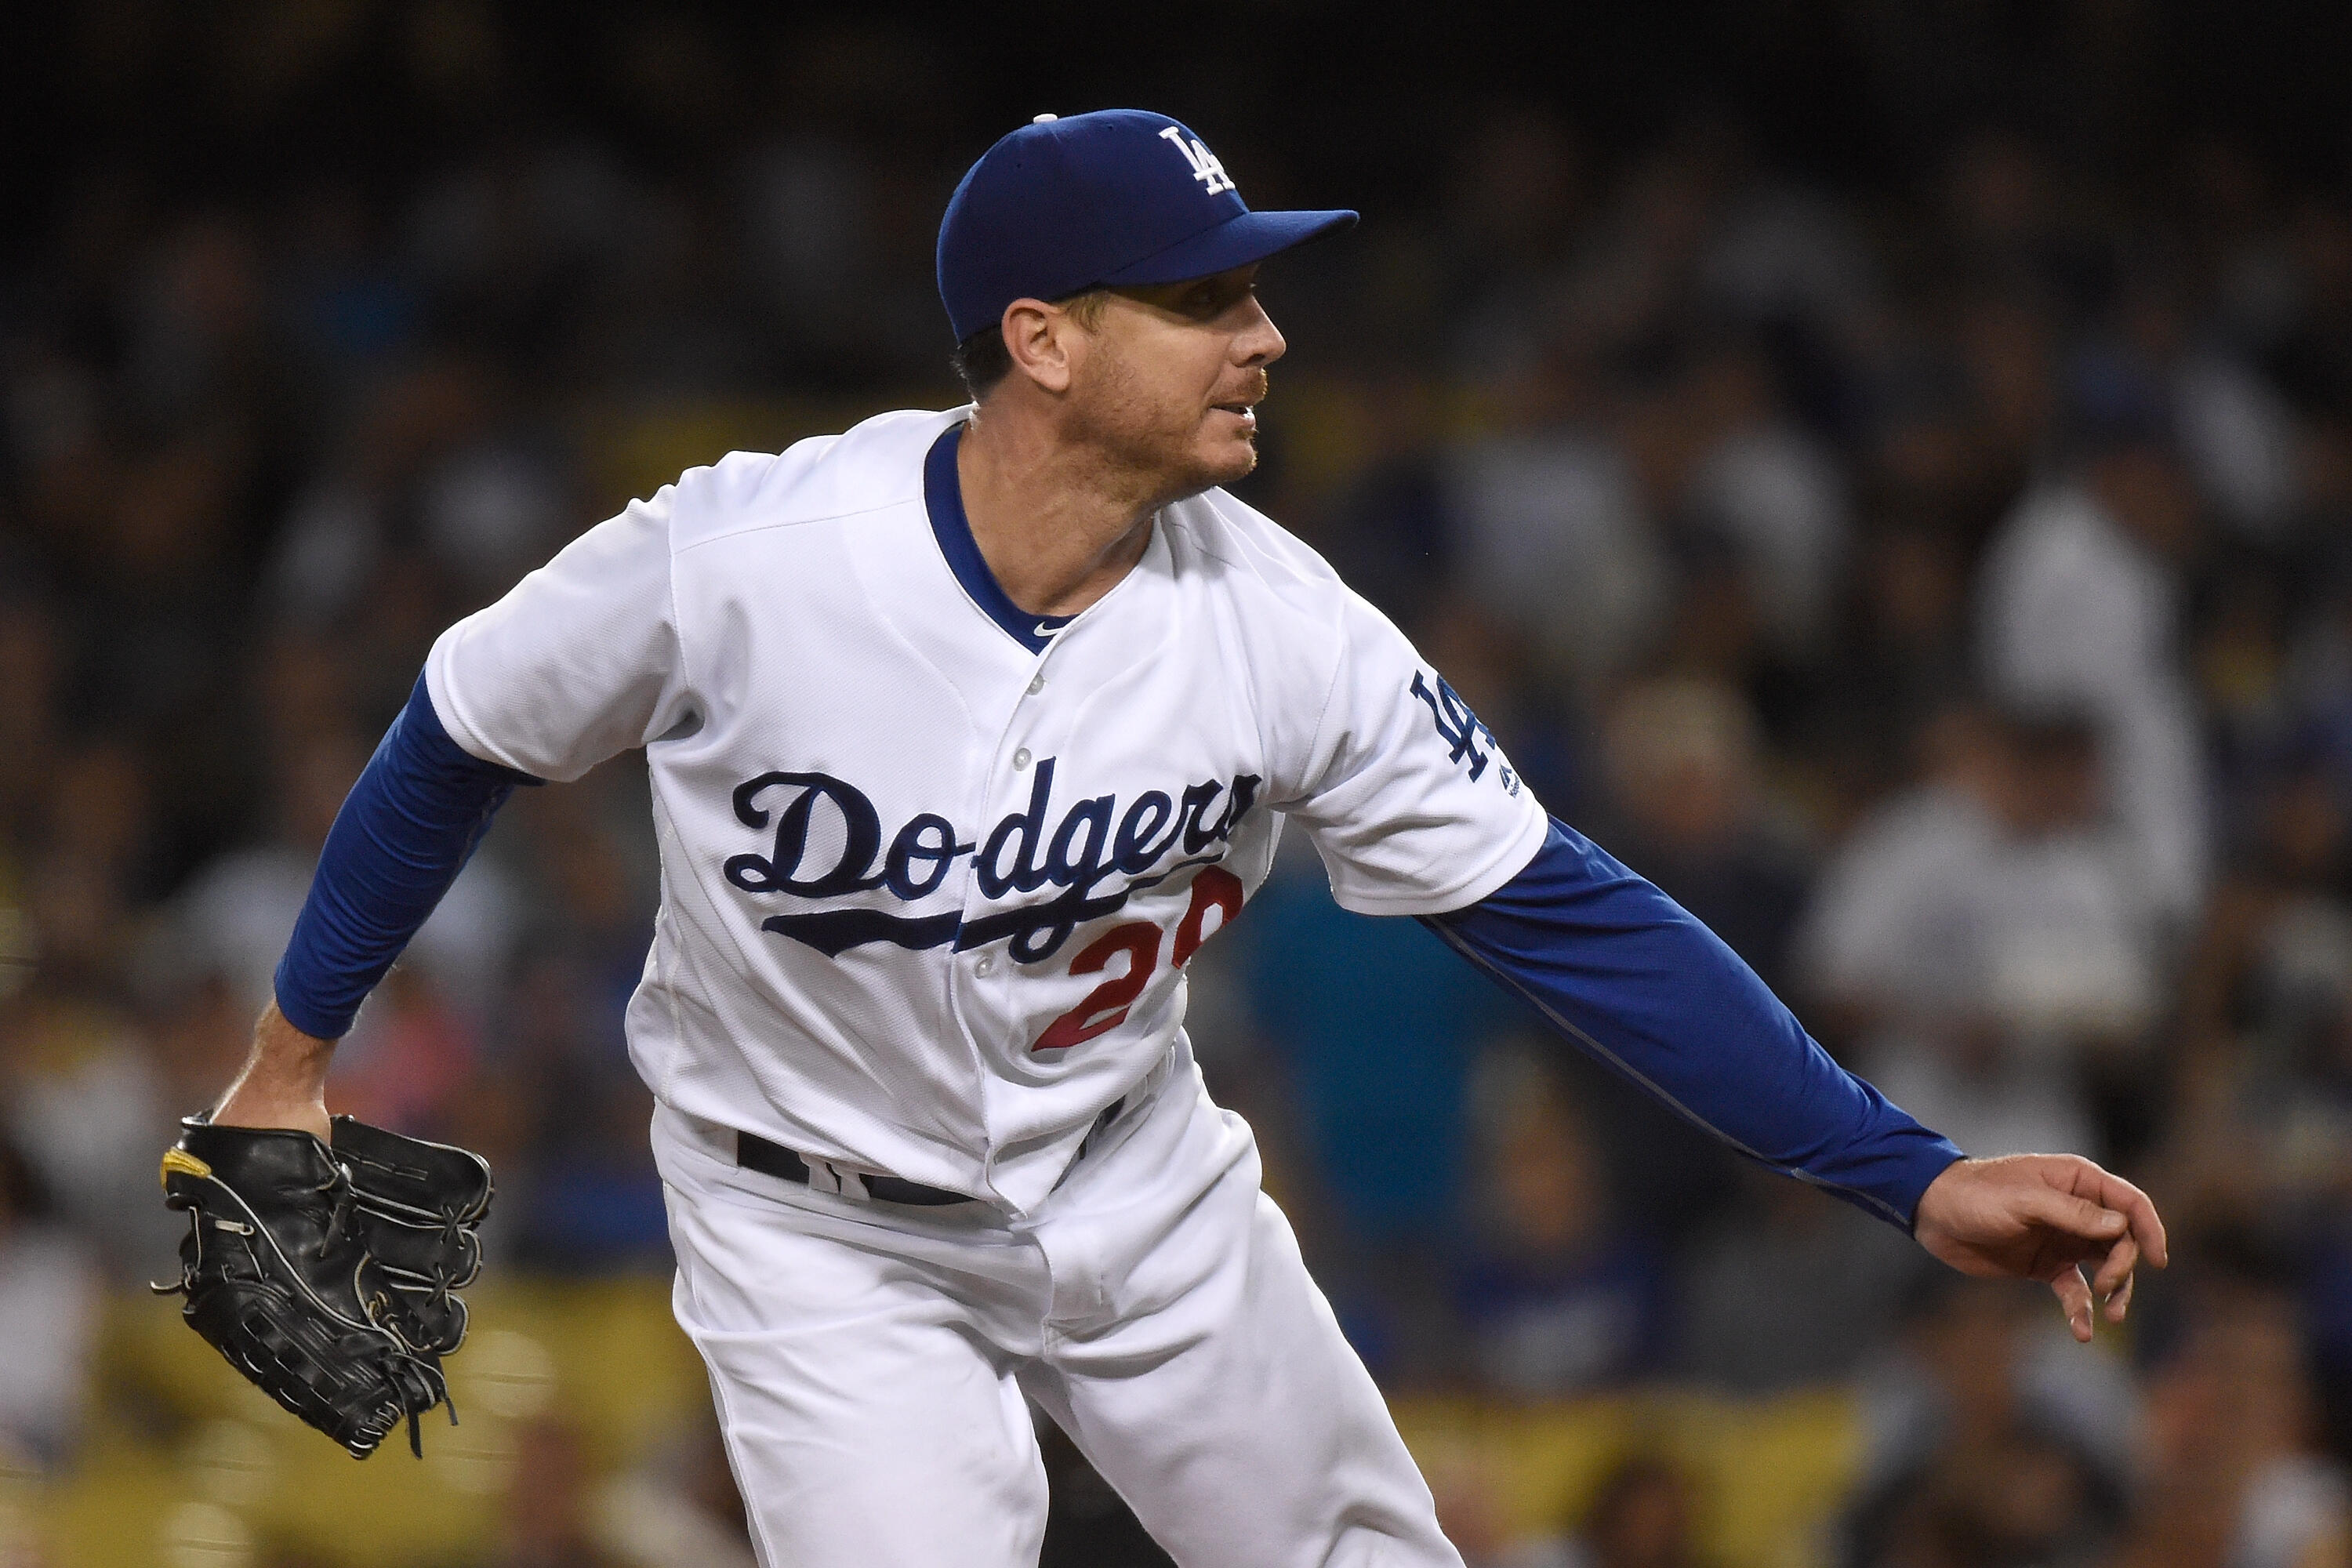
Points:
[(1236, 242)]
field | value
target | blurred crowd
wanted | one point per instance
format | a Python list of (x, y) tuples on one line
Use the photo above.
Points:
[(1942, 589)]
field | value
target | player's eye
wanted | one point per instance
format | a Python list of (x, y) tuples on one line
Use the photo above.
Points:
[(1213, 298)]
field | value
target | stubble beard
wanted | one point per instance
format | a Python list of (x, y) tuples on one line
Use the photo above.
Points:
[(1154, 446)]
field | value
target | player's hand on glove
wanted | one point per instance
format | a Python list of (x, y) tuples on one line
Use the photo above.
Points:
[(2046, 1217), (327, 1273)]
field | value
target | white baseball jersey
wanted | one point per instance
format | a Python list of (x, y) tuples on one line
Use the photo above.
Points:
[(932, 871)]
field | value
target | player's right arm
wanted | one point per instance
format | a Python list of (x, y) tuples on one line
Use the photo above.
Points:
[(405, 830), (579, 661), (283, 1082)]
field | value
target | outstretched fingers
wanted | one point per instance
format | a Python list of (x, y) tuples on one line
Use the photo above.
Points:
[(2075, 1297), (2139, 1212), (2113, 1225), (2056, 1218), (2113, 1282)]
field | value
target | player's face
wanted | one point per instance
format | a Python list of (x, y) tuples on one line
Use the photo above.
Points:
[(1171, 378)]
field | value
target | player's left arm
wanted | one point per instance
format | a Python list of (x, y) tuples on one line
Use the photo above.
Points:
[(1416, 811), (1636, 979)]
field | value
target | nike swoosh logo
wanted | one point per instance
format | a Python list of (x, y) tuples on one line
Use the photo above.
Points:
[(1044, 630)]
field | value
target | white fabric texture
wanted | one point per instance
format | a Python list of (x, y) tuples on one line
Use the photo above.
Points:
[(870, 1360), (843, 746)]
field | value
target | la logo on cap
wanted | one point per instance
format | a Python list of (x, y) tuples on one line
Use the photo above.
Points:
[(1091, 201), (1205, 166)]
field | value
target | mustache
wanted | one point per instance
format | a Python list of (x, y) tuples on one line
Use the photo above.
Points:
[(1253, 391)]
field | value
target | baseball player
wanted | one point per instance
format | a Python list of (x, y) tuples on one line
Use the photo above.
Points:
[(965, 730)]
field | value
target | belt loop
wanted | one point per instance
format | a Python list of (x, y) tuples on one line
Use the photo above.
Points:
[(836, 1180)]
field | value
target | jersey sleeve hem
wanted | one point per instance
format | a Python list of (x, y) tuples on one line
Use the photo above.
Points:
[(446, 707), (1492, 874)]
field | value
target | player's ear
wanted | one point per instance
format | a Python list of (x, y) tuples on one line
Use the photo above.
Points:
[(1037, 339)]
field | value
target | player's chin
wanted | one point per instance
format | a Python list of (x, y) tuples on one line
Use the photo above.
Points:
[(1226, 454)]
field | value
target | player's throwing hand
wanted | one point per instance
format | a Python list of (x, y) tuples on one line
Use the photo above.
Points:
[(2046, 1217)]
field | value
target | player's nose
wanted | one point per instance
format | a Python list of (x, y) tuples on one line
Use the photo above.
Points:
[(1259, 342)]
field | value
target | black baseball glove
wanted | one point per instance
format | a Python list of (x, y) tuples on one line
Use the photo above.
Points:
[(328, 1276)]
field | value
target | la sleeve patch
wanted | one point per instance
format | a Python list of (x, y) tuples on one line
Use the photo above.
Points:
[(1462, 731)]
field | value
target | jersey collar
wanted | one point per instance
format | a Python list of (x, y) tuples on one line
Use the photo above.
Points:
[(943, 498)]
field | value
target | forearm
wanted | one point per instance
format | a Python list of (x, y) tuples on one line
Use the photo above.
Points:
[(407, 828), (405, 831), (1628, 976)]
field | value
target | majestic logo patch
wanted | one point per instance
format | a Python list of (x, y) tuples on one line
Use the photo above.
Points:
[(1093, 842)]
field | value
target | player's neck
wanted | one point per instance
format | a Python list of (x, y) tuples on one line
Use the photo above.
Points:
[(1058, 528)]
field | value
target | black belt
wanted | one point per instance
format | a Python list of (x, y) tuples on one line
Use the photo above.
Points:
[(754, 1153)]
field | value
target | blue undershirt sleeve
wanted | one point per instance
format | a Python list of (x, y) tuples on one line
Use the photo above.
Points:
[(1629, 975), (405, 832)]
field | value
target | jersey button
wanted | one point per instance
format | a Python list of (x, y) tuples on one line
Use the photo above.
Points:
[(985, 967), (1036, 684), (1021, 758)]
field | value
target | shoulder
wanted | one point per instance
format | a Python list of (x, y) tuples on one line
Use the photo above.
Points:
[(874, 465), (1252, 556), (1259, 591)]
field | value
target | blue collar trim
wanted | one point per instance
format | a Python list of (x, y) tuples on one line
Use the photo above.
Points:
[(943, 498)]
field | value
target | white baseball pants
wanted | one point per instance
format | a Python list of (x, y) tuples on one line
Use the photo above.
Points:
[(869, 1359)]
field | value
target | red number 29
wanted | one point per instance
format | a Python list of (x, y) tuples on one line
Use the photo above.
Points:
[(1105, 1007)]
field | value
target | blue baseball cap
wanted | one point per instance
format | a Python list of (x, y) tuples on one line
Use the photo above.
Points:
[(1118, 196)]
